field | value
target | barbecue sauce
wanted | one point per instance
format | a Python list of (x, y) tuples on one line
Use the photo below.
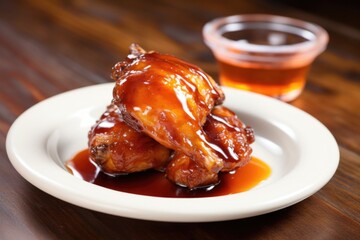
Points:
[(155, 183)]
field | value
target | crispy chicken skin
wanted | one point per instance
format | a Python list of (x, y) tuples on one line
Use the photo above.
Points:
[(166, 115), (118, 149), (169, 100)]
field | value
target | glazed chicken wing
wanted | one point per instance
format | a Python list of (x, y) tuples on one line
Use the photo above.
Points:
[(227, 132), (185, 172), (117, 148), (169, 100), (165, 114)]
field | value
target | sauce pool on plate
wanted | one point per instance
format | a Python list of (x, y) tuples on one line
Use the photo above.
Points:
[(154, 183)]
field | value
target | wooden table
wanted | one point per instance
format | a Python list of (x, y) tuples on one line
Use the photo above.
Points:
[(48, 47)]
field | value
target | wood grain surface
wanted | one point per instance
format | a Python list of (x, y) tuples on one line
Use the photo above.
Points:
[(48, 47)]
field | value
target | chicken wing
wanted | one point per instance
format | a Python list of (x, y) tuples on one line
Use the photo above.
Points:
[(118, 148), (169, 100), (185, 172), (166, 114), (227, 132)]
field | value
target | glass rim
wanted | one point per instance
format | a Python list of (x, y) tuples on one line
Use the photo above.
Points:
[(215, 40)]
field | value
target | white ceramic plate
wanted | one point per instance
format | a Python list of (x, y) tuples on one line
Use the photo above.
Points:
[(301, 152)]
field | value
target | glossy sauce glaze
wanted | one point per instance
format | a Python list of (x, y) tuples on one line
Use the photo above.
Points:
[(154, 183)]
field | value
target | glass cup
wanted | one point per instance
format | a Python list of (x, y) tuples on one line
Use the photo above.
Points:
[(266, 54)]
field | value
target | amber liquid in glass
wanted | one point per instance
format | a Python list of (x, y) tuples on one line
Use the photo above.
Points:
[(282, 82)]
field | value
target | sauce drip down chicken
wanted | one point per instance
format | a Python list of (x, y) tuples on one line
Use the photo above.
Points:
[(166, 114)]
